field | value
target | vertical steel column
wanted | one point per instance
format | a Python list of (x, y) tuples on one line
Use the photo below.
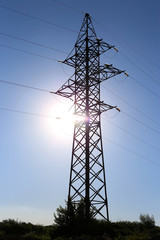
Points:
[(87, 123)]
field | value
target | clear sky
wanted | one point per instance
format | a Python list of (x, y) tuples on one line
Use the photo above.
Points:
[(35, 151)]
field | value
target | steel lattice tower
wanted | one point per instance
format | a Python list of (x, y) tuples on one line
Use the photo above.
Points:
[(87, 173)]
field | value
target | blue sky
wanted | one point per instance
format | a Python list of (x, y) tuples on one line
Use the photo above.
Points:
[(36, 151)]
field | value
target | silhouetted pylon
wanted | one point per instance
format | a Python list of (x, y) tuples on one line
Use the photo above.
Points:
[(87, 173)]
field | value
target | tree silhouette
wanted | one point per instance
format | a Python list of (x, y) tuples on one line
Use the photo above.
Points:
[(72, 219), (147, 220)]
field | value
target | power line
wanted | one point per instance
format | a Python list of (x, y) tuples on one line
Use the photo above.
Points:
[(34, 43), (140, 68), (148, 89), (128, 115), (131, 151), (115, 36), (131, 134), (37, 18), (53, 59), (129, 104), (44, 90), (135, 50), (60, 26), (31, 87), (24, 86), (31, 53), (141, 62), (26, 113), (140, 122), (47, 116), (66, 5), (142, 85)]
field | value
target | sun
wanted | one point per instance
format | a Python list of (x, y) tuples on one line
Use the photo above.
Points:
[(65, 122), (63, 119)]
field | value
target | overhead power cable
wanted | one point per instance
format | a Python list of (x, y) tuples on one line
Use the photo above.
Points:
[(24, 86), (140, 62), (157, 82), (135, 119), (37, 18), (144, 114), (144, 86), (139, 68), (31, 53), (141, 54), (66, 5), (45, 90), (26, 113), (34, 43), (30, 87), (129, 104), (47, 116), (131, 134), (60, 26), (131, 151), (53, 59), (115, 36)]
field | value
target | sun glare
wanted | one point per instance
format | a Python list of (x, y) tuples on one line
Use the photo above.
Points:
[(67, 120), (63, 119)]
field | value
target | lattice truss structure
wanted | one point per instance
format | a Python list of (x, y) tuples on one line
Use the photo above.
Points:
[(87, 174)]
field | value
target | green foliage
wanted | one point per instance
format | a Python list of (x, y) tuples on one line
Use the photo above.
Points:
[(70, 215), (61, 217), (13, 230), (147, 220), (11, 227), (71, 222), (78, 229)]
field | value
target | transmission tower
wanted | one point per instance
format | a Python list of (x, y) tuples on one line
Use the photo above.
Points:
[(87, 173)]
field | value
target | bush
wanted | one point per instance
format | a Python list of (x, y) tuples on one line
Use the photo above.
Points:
[(148, 221)]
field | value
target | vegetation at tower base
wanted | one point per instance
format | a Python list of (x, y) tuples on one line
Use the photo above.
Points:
[(14, 230), (71, 220), (71, 224), (76, 228)]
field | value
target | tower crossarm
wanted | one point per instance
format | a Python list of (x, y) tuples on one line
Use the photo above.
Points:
[(103, 46), (108, 71), (99, 107), (105, 107), (70, 60), (98, 47), (68, 89)]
